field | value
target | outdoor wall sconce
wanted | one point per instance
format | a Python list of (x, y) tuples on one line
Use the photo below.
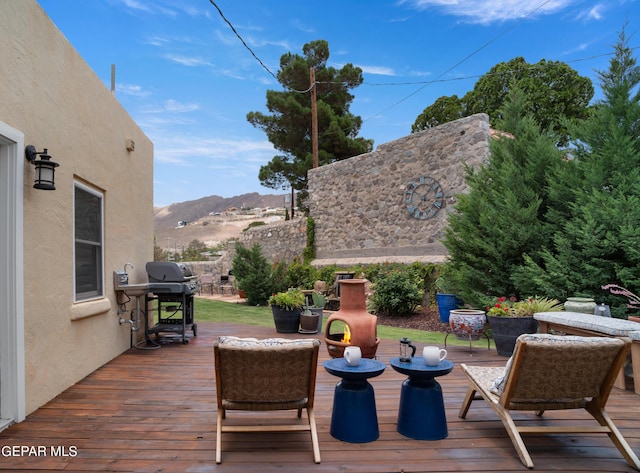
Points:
[(45, 168)]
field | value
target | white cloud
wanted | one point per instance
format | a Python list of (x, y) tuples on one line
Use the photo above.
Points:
[(176, 107), (581, 47), (147, 6), (173, 106), (226, 152), (594, 13), (156, 41), (419, 73), (377, 70), (188, 61), (227, 39), (259, 43), (136, 5), (131, 89), (297, 24), (491, 11)]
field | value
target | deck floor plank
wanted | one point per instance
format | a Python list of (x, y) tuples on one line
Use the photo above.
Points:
[(155, 410)]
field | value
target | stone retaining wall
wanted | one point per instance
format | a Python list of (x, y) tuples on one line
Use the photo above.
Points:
[(282, 241), (361, 206), (364, 207)]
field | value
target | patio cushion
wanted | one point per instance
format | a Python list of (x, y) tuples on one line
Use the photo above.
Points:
[(255, 344), (550, 372), (595, 323), (265, 375), (544, 339)]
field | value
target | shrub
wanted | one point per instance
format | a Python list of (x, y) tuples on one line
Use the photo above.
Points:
[(327, 274), (279, 277), (300, 275), (253, 274), (288, 300), (309, 252), (398, 292), (257, 223)]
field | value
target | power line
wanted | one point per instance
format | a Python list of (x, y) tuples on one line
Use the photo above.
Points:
[(251, 51), (423, 84), (439, 79), (454, 79), (469, 56), (242, 40)]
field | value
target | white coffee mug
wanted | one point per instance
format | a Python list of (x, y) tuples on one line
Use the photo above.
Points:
[(352, 355), (433, 355)]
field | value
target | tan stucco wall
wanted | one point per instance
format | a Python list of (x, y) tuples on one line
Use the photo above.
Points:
[(51, 95)]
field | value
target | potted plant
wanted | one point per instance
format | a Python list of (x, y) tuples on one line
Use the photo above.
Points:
[(241, 292), (446, 299), (311, 317), (319, 302), (511, 318), (286, 308)]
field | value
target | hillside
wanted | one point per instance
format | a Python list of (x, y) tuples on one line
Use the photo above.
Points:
[(211, 219)]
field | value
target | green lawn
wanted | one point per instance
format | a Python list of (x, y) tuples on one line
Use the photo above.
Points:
[(207, 310)]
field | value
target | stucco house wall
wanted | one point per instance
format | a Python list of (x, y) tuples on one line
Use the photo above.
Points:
[(51, 95)]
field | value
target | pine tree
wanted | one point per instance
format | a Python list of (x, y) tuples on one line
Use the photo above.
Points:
[(597, 239), (501, 218), (253, 274), (288, 125)]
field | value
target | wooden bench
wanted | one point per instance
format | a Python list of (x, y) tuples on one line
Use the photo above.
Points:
[(588, 325)]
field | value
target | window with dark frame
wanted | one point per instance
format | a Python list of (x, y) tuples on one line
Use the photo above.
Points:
[(88, 238)]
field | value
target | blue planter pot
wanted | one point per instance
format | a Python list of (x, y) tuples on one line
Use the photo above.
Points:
[(447, 303)]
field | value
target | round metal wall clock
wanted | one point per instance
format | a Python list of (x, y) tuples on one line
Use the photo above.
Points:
[(423, 197)]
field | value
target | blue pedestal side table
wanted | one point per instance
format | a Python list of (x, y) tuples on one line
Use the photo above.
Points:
[(354, 417), (421, 413)]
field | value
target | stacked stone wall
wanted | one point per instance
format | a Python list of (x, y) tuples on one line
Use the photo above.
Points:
[(282, 241), (360, 204)]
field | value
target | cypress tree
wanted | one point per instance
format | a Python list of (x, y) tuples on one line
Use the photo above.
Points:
[(253, 274), (597, 196), (501, 218)]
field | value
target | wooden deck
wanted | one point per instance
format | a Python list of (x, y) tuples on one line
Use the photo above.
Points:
[(155, 410)]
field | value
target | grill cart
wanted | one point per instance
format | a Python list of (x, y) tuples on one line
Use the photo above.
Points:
[(171, 288)]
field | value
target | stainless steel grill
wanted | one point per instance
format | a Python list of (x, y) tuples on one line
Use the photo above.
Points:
[(171, 288)]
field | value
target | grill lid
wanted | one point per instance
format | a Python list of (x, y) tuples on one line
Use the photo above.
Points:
[(168, 271)]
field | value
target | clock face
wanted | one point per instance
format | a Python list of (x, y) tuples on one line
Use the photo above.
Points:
[(424, 197)]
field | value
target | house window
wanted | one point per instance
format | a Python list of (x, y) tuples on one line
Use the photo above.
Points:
[(88, 239)]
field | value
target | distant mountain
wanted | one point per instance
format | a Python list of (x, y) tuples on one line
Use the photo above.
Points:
[(193, 210)]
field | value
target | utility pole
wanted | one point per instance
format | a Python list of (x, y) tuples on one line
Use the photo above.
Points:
[(314, 118)]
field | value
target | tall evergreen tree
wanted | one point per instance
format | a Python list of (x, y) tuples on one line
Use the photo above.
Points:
[(288, 125), (253, 273), (597, 239), (501, 218)]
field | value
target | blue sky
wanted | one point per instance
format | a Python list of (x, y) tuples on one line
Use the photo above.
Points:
[(189, 82)]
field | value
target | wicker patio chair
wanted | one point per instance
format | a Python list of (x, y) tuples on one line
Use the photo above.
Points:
[(266, 375), (548, 372)]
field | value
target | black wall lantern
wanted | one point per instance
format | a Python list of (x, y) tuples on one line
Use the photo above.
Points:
[(45, 168)]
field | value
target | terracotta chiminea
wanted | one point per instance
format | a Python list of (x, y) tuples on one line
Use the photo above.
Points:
[(357, 323)]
